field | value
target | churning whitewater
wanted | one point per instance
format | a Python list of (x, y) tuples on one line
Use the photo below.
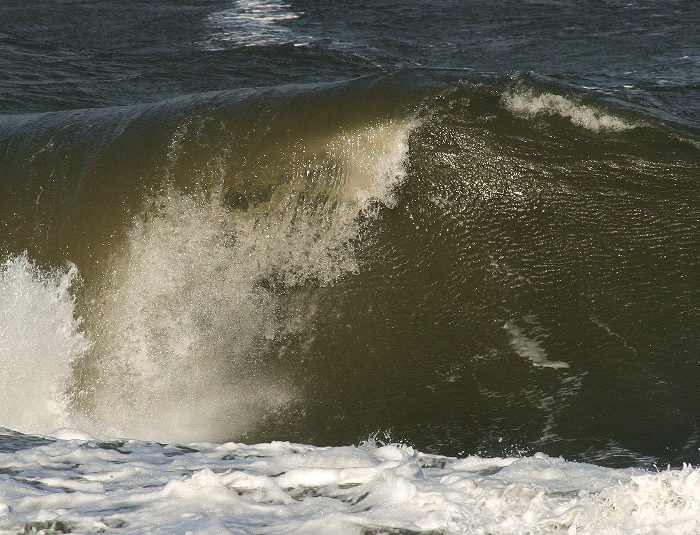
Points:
[(77, 484)]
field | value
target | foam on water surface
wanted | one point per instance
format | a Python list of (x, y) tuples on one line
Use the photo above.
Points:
[(128, 486), (526, 102), (530, 347)]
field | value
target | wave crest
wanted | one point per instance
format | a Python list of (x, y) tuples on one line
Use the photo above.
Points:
[(529, 104)]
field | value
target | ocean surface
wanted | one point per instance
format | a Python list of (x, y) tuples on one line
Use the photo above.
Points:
[(392, 267)]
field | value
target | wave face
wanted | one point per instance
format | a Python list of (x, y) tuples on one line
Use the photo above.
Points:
[(465, 264)]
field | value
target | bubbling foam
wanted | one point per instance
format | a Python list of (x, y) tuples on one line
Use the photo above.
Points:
[(280, 487)]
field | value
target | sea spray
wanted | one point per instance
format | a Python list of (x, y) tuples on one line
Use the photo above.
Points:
[(189, 323), (40, 339)]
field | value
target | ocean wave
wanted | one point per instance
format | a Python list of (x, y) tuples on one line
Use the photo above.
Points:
[(289, 259)]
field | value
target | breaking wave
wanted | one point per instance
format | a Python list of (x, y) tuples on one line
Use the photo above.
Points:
[(40, 336), (193, 299), (397, 253)]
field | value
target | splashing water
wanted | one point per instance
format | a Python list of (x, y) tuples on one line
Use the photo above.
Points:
[(185, 329), (40, 338)]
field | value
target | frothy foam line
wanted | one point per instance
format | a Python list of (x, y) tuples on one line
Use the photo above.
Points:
[(137, 487), (529, 104)]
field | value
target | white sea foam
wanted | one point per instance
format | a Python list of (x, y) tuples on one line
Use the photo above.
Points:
[(253, 23), (526, 102), (135, 487)]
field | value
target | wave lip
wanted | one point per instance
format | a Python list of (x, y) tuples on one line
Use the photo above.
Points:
[(526, 102)]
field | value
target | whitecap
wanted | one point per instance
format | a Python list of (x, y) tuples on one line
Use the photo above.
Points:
[(526, 102)]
